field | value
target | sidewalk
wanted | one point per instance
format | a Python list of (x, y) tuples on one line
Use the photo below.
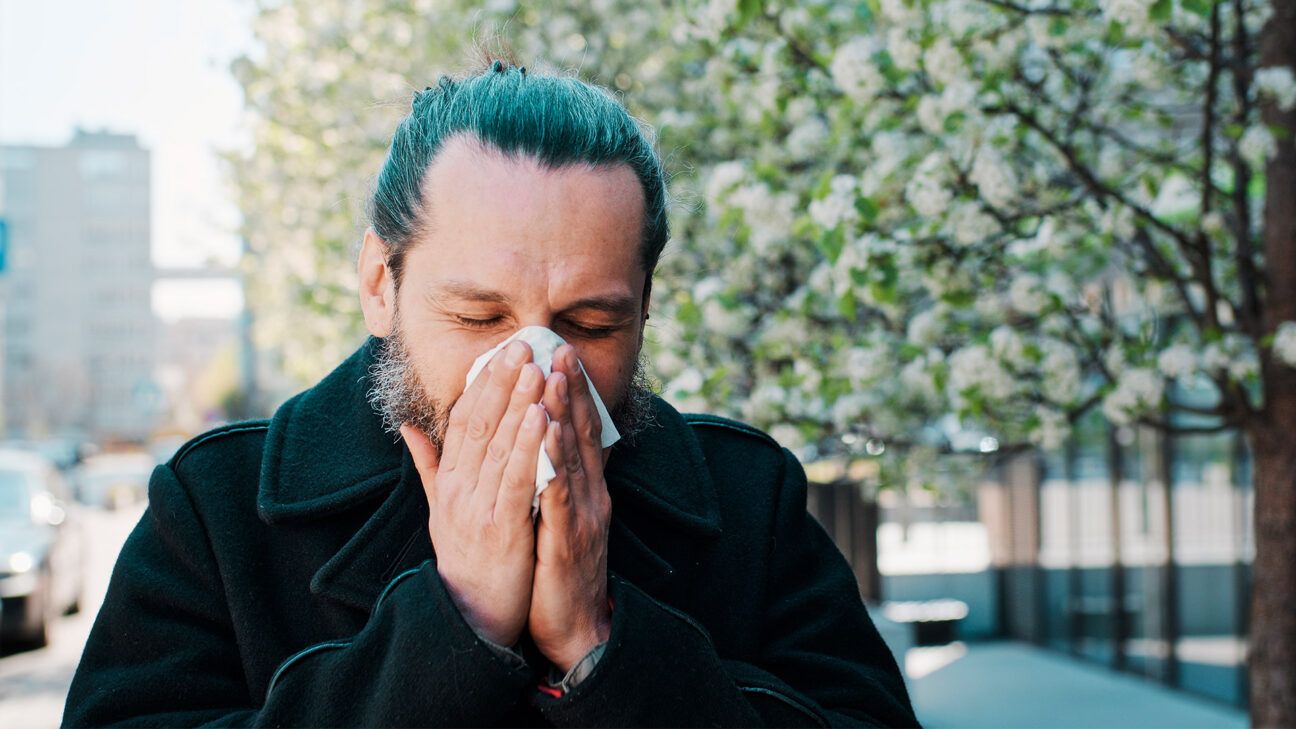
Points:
[(1017, 685)]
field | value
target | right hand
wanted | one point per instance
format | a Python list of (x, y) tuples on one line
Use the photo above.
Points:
[(479, 491)]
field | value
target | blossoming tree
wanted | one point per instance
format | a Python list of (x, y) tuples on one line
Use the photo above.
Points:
[(889, 214)]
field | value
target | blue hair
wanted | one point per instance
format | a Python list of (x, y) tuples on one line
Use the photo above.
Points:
[(558, 121)]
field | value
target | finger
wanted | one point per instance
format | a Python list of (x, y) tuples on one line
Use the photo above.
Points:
[(499, 452), (459, 412), (555, 502), (424, 454), (517, 487), (582, 415), (570, 462), (554, 401), (489, 409)]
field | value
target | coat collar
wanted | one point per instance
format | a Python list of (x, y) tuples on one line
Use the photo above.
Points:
[(326, 453)]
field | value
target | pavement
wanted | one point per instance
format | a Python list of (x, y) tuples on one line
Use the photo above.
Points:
[(1008, 685), (34, 684)]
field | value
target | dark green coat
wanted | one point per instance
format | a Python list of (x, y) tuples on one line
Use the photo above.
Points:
[(283, 575)]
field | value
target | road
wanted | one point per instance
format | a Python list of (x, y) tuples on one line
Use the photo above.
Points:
[(33, 684)]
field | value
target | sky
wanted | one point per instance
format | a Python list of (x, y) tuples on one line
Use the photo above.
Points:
[(157, 69)]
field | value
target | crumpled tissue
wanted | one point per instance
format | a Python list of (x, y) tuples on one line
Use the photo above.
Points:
[(543, 342)]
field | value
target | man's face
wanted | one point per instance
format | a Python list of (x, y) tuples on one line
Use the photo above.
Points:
[(509, 244)]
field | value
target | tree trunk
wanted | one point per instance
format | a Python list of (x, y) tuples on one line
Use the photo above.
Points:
[(1273, 434), (1272, 652)]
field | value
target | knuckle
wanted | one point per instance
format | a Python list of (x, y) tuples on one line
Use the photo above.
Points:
[(478, 427), (591, 429), (498, 451), (573, 462)]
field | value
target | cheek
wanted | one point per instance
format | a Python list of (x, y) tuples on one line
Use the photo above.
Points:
[(442, 362), (609, 370)]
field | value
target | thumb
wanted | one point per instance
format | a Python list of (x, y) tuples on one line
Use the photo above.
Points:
[(426, 457)]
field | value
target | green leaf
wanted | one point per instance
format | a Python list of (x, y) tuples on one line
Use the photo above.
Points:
[(831, 243), (747, 11), (1198, 7), (846, 304)]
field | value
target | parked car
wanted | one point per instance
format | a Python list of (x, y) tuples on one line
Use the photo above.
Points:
[(114, 480), (41, 549)]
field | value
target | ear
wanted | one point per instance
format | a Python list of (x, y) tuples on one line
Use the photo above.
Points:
[(377, 285)]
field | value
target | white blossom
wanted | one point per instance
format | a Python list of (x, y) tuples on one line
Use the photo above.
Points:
[(1008, 346), (974, 367), (931, 114), (768, 215), (718, 319), (969, 224), (943, 62), (899, 12), (1277, 83), (838, 206), (807, 138), (926, 190), (863, 364), (787, 435), (1052, 429), (1060, 372), (853, 69), (1133, 14), (724, 178), (688, 382), (924, 328), (1214, 358), (1026, 294), (1284, 343), (1177, 361), (848, 410), (994, 179), (1257, 145), (1213, 222), (765, 403), (1138, 390), (904, 52), (918, 381)]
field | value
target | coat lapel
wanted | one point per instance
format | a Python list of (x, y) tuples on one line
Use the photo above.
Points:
[(327, 455)]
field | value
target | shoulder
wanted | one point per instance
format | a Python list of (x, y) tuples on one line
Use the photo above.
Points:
[(734, 448), (712, 426), (233, 449)]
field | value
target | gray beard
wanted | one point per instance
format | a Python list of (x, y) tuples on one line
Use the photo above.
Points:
[(397, 394)]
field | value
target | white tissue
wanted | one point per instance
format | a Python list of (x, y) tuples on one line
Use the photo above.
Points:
[(543, 343)]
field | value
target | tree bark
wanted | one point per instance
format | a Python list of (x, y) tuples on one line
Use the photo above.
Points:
[(1272, 656), (1272, 652)]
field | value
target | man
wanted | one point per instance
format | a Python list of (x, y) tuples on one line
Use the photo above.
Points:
[(314, 569)]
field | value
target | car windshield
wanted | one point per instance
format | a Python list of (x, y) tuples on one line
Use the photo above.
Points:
[(15, 494)]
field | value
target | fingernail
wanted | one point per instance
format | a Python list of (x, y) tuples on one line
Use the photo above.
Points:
[(562, 390), (533, 416), (516, 353), (525, 379)]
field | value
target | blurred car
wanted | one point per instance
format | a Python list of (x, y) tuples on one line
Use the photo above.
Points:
[(40, 549), (114, 480)]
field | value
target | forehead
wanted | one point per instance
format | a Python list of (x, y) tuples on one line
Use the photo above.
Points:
[(482, 200)]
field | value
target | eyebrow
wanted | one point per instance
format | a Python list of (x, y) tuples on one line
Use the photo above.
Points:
[(468, 291)]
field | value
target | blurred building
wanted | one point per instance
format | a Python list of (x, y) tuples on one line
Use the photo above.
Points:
[(79, 330)]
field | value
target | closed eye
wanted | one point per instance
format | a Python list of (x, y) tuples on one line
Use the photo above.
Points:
[(479, 323)]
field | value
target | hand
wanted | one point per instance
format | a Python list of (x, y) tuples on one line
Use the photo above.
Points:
[(479, 491), (569, 606)]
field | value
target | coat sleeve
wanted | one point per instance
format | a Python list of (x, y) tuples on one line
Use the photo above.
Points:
[(823, 662), (163, 651)]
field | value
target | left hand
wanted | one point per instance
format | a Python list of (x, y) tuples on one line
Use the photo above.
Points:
[(569, 603)]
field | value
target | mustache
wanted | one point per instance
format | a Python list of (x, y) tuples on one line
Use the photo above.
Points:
[(398, 395)]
